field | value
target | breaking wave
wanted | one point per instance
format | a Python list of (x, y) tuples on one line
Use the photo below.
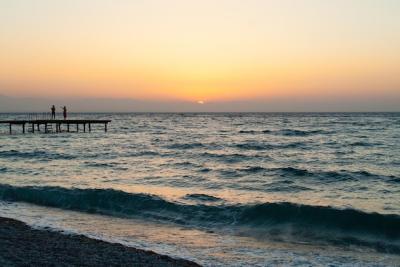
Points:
[(306, 220)]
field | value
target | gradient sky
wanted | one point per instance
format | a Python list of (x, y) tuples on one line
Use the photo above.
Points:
[(209, 50)]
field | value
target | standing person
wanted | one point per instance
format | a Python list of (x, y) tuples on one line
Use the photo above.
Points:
[(53, 112), (65, 112)]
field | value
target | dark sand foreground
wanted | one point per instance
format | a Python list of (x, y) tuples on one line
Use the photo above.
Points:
[(20, 245)]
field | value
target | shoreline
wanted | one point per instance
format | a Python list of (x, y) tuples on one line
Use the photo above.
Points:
[(20, 245)]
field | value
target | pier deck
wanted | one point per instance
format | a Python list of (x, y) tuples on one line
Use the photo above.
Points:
[(48, 124)]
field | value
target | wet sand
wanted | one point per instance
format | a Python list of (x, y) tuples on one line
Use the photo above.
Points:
[(21, 245)]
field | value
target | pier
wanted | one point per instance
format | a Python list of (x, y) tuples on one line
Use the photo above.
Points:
[(46, 125)]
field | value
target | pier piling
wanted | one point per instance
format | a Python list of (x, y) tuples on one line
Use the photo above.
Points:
[(34, 124)]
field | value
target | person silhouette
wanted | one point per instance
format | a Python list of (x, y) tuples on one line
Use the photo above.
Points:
[(53, 112), (65, 112)]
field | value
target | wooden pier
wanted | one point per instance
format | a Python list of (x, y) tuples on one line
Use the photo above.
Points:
[(60, 125)]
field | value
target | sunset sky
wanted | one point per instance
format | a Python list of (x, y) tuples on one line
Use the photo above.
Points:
[(208, 50)]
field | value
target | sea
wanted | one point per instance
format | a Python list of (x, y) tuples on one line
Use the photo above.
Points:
[(220, 189)]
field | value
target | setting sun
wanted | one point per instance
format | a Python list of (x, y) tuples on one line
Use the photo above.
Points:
[(186, 50)]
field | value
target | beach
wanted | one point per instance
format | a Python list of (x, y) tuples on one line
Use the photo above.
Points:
[(21, 245)]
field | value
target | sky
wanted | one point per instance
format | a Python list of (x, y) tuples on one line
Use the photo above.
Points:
[(203, 52)]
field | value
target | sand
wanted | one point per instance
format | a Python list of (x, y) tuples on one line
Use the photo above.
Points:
[(21, 245)]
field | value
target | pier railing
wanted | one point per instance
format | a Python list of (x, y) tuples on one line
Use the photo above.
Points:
[(47, 116), (38, 116)]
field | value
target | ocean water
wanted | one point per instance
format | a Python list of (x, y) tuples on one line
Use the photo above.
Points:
[(248, 189)]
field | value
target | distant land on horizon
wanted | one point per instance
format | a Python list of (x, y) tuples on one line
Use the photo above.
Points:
[(38, 104)]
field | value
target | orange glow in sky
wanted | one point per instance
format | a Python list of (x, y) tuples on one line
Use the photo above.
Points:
[(199, 50)]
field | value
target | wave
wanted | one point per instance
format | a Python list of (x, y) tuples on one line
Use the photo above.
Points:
[(294, 132), (362, 144), (204, 170), (101, 165), (248, 132), (332, 176), (265, 146), (394, 180), (37, 154), (308, 220), (185, 146), (229, 158), (253, 169), (293, 171), (253, 146), (255, 131), (285, 132), (316, 176), (202, 197), (142, 153), (278, 187)]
